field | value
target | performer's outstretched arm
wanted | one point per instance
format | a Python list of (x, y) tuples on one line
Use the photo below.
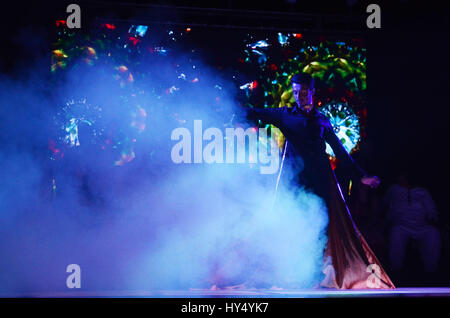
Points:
[(266, 115), (344, 157)]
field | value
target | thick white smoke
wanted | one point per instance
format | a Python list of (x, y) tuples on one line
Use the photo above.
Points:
[(153, 224)]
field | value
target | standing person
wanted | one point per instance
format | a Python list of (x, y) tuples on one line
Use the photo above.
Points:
[(347, 256), (411, 212)]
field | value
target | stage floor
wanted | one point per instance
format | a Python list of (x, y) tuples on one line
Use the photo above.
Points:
[(306, 293)]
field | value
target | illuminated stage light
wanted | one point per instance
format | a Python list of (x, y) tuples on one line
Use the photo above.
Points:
[(138, 30), (108, 26), (282, 39)]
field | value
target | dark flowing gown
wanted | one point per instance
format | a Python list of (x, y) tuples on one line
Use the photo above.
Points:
[(347, 255)]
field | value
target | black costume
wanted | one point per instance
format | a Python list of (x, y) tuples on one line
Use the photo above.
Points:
[(347, 255)]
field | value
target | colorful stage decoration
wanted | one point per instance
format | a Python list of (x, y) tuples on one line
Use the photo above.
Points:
[(119, 51), (262, 73), (345, 125), (339, 69), (76, 113)]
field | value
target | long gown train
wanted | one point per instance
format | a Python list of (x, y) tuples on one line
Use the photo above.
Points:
[(349, 263)]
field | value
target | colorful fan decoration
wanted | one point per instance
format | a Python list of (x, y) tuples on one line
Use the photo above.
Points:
[(345, 125), (74, 113)]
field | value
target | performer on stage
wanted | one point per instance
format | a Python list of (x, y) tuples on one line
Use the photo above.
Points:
[(348, 260)]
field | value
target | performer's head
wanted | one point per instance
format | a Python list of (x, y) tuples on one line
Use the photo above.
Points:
[(303, 90)]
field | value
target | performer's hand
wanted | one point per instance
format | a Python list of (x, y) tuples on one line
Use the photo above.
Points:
[(372, 182)]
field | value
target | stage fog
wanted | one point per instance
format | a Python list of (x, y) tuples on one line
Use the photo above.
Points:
[(88, 178)]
